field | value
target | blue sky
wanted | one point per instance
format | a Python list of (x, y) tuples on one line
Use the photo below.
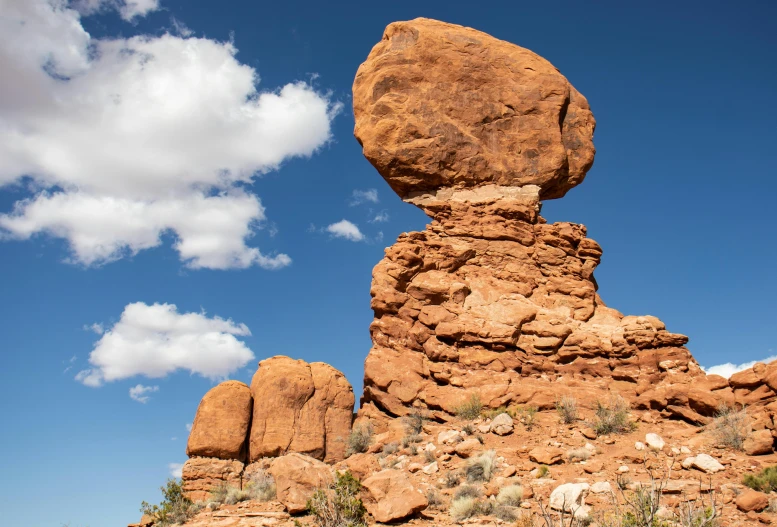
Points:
[(114, 207)]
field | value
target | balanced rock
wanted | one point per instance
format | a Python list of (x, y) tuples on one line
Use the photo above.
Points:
[(439, 105), (490, 299), (220, 427), (300, 407)]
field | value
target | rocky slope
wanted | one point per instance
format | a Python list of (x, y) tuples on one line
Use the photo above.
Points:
[(490, 306)]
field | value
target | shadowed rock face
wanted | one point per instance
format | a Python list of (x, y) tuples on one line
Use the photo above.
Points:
[(439, 105), (490, 299)]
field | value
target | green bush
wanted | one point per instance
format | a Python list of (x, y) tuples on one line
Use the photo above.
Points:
[(174, 508), (471, 408), (764, 481), (338, 505)]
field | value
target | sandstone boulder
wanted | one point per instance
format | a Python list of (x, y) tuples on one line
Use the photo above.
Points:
[(297, 477), (389, 495), (546, 455), (201, 475), (654, 441), (439, 105), (707, 463), (570, 497), (752, 500), (220, 427), (502, 425), (300, 407), (759, 443)]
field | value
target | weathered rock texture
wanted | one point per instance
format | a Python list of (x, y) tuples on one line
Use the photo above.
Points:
[(291, 407), (301, 407), (490, 299), (439, 106), (220, 427)]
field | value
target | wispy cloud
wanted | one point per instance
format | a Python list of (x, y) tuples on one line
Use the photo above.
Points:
[(176, 469), (140, 393), (363, 196), (345, 229), (729, 368), (380, 217)]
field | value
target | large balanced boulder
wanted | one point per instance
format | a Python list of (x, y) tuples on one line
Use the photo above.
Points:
[(300, 407), (220, 427), (491, 300), (439, 105)]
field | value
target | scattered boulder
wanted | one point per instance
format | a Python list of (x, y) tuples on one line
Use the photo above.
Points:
[(468, 447), (389, 496), (296, 479), (448, 437), (300, 407), (654, 442), (220, 427), (502, 424), (759, 443), (752, 500), (601, 487), (707, 463), (546, 455), (570, 497)]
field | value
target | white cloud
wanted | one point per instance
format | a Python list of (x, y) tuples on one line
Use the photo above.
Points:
[(94, 328), (176, 469), (189, 427), (140, 393), (380, 217), (345, 229), (128, 9), (728, 369), (156, 340), (127, 139), (364, 196)]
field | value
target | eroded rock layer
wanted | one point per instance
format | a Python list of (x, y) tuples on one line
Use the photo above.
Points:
[(491, 300)]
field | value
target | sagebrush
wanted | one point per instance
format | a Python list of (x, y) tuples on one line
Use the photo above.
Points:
[(174, 508), (359, 439), (731, 427), (338, 505)]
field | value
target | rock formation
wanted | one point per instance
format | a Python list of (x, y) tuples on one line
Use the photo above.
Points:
[(291, 407), (490, 299)]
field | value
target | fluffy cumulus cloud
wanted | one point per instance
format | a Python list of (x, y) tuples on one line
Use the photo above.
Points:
[(728, 369), (121, 141), (345, 229), (140, 393), (156, 340)]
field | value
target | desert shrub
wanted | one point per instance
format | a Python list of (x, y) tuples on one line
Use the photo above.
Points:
[(413, 449), (468, 429), (612, 417), (542, 471), (463, 508), (466, 491), (471, 408), (359, 440), (731, 427), (414, 422), (434, 499), (528, 415), (174, 508), (390, 448), (451, 479), (429, 456), (567, 409), (511, 495), (764, 481), (410, 439), (261, 486), (482, 467), (578, 454), (338, 505), (490, 413), (505, 513)]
